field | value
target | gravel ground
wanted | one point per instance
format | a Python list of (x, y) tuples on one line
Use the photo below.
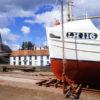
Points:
[(22, 86), (15, 93)]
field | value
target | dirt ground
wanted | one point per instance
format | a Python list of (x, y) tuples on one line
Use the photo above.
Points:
[(15, 93), (22, 86)]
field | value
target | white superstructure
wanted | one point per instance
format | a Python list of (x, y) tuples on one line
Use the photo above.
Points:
[(81, 37)]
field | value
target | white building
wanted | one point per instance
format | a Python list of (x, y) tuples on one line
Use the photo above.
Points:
[(30, 57)]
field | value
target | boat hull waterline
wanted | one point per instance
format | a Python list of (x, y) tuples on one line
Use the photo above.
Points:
[(81, 51), (84, 72)]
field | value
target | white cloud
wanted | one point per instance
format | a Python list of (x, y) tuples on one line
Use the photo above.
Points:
[(8, 35), (80, 9), (21, 13), (49, 17), (25, 30), (29, 21), (9, 38), (5, 30), (87, 6), (17, 8), (9, 9), (8, 17), (14, 46)]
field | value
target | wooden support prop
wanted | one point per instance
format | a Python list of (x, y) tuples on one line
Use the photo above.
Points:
[(49, 82), (69, 89), (41, 82), (58, 83)]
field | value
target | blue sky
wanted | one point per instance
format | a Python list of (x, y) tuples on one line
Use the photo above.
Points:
[(26, 20)]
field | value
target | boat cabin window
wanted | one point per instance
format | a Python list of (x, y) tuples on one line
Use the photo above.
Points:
[(54, 36)]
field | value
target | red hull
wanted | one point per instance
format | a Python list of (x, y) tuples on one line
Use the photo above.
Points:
[(85, 72)]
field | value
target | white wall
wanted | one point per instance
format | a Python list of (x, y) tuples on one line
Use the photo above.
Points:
[(28, 60), (33, 58), (35, 62), (45, 59), (11, 61), (17, 60), (22, 60)]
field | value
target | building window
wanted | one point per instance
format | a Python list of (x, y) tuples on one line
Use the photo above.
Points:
[(35, 57), (24, 57), (47, 57), (41, 57), (19, 58), (25, 62), (13, 58), (47, 62), (19, 62), (30, 63), (41, 62), (14, 63), (30, 57)]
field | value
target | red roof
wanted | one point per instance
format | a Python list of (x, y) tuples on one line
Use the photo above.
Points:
[(30, 52)]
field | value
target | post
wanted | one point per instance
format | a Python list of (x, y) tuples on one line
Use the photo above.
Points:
[(63, 51)]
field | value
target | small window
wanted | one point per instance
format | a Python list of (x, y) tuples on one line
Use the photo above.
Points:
[(47, 62), (30, 57), (30, 63), (47, 57), (13, 58), (24, 57), (14, 63), (19, 62), (41, 62), (54, 36), (41, 57), (19, 58), (35, 57), (25, 62)]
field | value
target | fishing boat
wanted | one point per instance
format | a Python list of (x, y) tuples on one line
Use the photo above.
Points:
[(74, 49), (83, 62)]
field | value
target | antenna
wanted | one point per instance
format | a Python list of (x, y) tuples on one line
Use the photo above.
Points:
[(69, 10)]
